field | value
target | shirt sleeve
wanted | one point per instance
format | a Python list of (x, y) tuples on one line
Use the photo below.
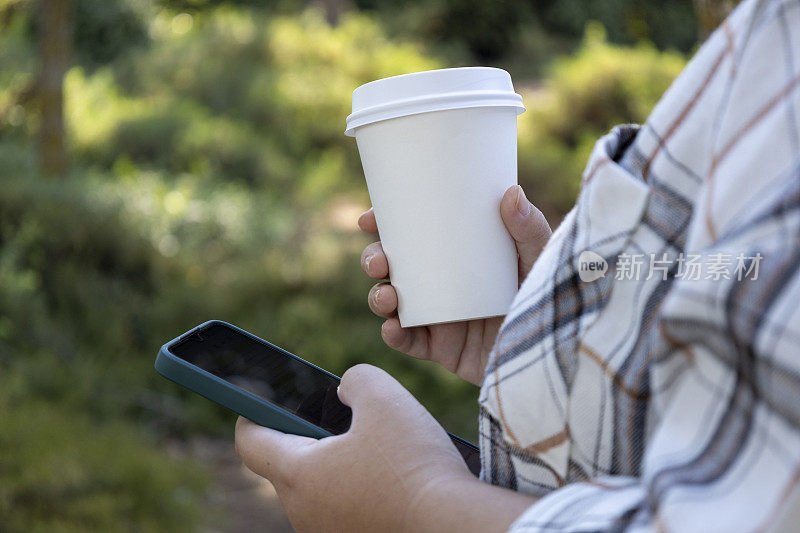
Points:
[(722, 449), (725, 455)]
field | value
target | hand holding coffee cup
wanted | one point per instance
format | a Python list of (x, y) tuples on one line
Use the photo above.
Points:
[(461, 347)]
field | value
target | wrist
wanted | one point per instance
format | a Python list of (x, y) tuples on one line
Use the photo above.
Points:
[(435, 495), (463, 503)]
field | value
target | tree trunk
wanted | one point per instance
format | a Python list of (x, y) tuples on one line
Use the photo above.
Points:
[(333, 9), (54, 19)]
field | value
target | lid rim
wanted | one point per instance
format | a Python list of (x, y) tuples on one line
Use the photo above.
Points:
[(429, 104)]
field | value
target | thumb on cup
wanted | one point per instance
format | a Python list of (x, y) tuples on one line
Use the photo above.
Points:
[(527, 226)]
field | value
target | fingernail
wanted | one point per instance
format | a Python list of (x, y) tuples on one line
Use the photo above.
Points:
[(523, 205), (367, 261), (376, 297)]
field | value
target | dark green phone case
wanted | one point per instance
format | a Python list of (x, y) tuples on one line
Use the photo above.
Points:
[(237, 400)]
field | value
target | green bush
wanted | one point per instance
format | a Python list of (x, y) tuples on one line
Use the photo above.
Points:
[(234, 94), (667, 24), (90, 270), (523, 37), (74, 289), (582, 98), (107, 29), (61, 471)]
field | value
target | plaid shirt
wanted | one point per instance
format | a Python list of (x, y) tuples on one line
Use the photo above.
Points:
[(665, 394)]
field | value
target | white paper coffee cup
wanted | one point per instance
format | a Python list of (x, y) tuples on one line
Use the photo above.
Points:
[(439, 150)]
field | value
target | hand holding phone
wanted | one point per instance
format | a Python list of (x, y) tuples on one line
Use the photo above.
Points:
[(394, 469), (264, 383)]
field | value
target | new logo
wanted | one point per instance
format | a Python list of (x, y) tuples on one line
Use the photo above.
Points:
[(591, 266)]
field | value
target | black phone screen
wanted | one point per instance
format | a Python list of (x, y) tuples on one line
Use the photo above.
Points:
[(267, 373)]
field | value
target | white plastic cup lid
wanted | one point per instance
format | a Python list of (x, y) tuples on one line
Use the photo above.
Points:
[(431, 90)]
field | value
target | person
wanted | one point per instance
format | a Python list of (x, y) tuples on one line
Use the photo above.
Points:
[(657, 391)]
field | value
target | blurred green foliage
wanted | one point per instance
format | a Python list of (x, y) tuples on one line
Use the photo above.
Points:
[(105, 30), (526, 34), (211, 179), (62, 471), (583, 95)]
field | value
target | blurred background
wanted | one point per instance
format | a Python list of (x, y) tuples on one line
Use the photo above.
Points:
[(164, 162)]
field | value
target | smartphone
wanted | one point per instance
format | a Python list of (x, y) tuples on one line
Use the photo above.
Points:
[(264, 383)]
